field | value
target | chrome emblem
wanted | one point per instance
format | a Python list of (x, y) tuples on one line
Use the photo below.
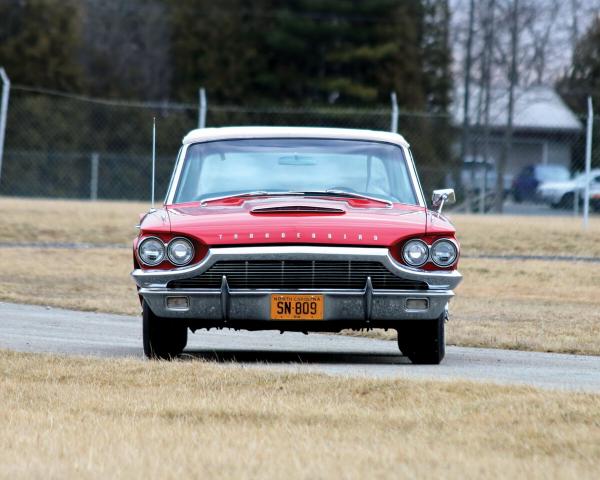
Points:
[(314, 236)]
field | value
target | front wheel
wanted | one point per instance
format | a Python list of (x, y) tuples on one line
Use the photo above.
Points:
[(162, 337), (423, 341)]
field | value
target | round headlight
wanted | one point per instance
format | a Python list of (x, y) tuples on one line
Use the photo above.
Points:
[(443, 253), (180, 251), (151, 251), (415, 253)]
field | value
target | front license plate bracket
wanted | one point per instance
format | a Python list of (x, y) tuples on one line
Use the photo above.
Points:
[(297, 306)]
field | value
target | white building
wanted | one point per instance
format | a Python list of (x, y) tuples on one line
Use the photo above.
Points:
[(546, 131)]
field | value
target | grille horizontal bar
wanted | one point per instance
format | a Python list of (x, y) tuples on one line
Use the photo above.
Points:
[(298, 274)]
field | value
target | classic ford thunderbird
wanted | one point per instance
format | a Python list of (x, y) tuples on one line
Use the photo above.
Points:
[(296, 229)]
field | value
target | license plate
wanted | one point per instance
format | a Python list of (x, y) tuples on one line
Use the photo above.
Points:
[(297, 307)]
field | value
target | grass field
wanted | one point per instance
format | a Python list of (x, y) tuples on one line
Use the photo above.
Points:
[(91, 418), (535, 305), (497, 305), (26, 220)]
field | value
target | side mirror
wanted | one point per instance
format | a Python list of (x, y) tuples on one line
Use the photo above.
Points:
[(443, 196)]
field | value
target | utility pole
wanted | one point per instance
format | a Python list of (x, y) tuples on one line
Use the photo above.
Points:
[(202, 108), (464, 143), (395, 113), (508, 134), (487, 86), (3, 111), (588, 166)]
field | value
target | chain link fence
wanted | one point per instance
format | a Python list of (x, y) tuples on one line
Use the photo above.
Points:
[(65, 146)]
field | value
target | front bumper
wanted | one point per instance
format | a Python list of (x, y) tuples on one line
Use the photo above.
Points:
[(366, 305)]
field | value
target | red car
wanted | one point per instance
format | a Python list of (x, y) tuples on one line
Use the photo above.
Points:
[(296, 229)]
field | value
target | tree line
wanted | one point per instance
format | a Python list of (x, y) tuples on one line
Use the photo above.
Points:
[(342, 52)]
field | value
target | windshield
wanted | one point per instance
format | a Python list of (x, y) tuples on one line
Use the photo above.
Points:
[(231, 167), (552, 173)]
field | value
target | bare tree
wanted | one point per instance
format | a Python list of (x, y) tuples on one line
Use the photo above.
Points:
[(513, 80), (125, 48), (540, 28)]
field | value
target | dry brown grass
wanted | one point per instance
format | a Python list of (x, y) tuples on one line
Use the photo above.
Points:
[(90, 418), (533, 305), (527, 305), (526, 235), (500, 304), (31, 220), (94, 280)]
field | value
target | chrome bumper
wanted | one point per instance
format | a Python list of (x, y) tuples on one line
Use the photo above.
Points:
[(363, 305)]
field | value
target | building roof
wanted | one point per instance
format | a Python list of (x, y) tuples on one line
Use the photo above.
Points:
[(535, 108), (229, 133)]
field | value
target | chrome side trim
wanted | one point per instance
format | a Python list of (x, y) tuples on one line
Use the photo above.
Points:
[(172, 178), (415, 177), (437, 280), (176, 174)]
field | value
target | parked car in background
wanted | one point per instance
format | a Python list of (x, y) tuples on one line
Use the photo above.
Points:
[(562, 194), (595, 200), (296, 229), (525, 184)]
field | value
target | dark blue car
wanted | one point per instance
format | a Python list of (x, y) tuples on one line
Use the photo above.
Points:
[(525, 184)]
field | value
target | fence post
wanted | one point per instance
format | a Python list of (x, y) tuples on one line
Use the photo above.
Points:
[(588, 165), (395, 113), (202, 108), (483, 187), (94, 162), (3, 112)]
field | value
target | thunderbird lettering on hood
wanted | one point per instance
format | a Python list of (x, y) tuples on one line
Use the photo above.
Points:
[(319, 221)]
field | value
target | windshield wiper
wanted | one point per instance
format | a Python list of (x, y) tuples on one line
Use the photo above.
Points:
[(254, 193), (334, 192)]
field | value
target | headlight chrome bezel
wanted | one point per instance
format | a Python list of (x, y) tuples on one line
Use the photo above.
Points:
[(417, 241), (171, 257), (432, 250), (159, 260)]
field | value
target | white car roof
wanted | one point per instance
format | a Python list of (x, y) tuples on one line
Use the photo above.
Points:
[(230, 133)]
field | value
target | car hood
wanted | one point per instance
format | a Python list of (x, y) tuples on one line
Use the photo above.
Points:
[(297, 220), (568, 185)]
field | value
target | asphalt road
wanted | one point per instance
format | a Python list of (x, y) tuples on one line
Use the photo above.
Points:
[(39, 329)]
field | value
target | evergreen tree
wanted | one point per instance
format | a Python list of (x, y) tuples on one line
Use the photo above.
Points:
[(349, 51), (583, 78), (216, 45), (124, 48), (39, 41), (315, 51), (437, 58)]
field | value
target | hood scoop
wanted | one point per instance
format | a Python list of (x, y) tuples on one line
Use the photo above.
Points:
[(300, 209)]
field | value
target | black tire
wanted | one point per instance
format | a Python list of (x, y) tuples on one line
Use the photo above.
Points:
[(566, 202), (163, 338), (423, 341)]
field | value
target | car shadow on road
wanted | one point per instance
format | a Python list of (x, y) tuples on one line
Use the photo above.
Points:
[(293, 356)]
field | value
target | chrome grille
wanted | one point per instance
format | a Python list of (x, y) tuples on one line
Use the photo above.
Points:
[(298, 274)]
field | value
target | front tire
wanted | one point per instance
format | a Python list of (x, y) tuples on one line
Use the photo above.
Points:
[(423, 341), (163, 338)]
